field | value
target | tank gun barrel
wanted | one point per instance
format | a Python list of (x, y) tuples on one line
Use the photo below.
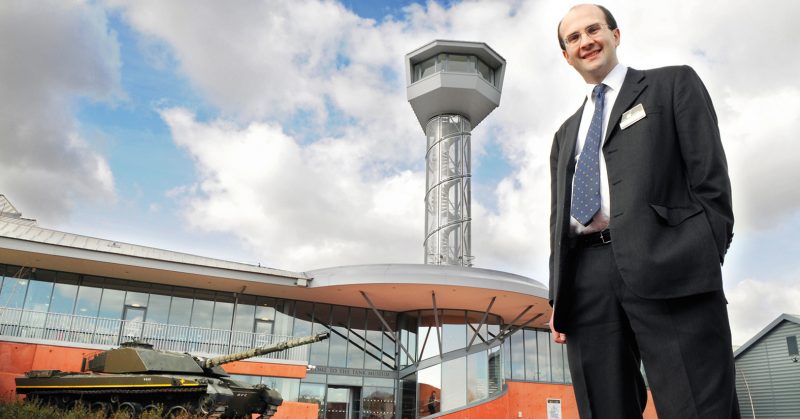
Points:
[(263, 350)]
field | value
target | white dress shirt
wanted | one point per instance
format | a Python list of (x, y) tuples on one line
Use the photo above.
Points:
[(614, 81)]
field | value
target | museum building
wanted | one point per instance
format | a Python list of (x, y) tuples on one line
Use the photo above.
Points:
[(399, 333)]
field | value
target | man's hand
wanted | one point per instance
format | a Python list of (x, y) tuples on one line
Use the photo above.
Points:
[(558, 337)]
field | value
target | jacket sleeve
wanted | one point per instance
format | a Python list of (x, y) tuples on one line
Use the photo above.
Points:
[(704, 158), (553, 209)]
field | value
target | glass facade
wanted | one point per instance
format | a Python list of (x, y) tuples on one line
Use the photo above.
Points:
[(454, 63), (426, 362)]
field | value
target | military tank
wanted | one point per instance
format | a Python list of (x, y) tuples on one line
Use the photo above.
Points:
[(135, 378)]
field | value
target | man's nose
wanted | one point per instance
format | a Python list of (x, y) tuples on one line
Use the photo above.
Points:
[(586, 39)]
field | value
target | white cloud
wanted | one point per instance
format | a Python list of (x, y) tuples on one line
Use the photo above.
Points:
[(762, 132), (51, 54), (297, 207), (753, 303)]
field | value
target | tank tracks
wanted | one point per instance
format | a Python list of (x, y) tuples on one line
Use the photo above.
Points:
[(56, 397)]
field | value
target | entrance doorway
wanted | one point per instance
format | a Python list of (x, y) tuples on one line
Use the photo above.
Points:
[(343, 403)]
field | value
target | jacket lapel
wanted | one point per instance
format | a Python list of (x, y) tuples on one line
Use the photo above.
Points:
[(567, 155), (632, 87), (566, 165)]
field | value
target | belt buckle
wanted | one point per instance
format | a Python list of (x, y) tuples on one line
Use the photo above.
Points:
[(603, 236)]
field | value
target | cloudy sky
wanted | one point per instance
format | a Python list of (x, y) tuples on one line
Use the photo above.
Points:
[(278, 132)]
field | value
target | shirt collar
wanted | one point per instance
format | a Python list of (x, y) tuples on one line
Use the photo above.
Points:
[(613, 80)]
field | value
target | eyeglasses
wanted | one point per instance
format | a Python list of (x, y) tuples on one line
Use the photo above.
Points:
[(591, 31)]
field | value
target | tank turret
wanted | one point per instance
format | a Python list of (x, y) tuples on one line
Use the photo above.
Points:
[(135, 377)]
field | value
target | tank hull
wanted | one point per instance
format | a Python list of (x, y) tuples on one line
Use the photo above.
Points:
[(216, 396)]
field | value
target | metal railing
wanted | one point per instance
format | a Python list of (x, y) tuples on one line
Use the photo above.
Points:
[(76, 330)]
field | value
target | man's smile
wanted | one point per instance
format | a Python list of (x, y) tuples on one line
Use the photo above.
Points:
[(591, 54)]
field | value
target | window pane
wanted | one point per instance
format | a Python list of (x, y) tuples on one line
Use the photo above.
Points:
[(473, 321), (338, 339), (374, 343), (557, 361), (486, 72), (265, 316), (430, 390), (136, 299), (477, 376), (112, 304), (425, 68), (460, 63), (495, 370), (63, 298), (312, 393), (356, 344), (38, 296), (158, 309), (88, 301), (507, 359), (493, 327), (223, 314), (389, 343), (13, 292), (284, 316), (408, 333), (517, 356), (180, 312), (454, 384), (544, 356), (531, 366), (454, 330), (319, 350), (288, 387), (201, 313), (245, 314), (567, 373), (304, 314), (428, 336)]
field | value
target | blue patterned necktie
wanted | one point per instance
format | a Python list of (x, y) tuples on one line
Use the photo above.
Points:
[(586, 185)]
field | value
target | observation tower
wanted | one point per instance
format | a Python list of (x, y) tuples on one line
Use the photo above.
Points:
[(452, 86)]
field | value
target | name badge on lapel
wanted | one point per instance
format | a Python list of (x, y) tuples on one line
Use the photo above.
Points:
[(632, 116)]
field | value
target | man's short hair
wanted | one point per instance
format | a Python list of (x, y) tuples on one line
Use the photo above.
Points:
[(610, 21)]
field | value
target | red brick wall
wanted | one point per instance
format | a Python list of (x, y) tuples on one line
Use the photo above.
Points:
[(529, 400)]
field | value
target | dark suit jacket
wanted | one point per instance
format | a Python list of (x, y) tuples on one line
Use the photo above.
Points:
[(671, 220)]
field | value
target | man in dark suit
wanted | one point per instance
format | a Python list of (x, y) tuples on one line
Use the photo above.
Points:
[(640, 223)]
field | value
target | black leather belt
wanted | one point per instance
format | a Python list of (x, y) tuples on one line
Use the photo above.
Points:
[(591, 240)]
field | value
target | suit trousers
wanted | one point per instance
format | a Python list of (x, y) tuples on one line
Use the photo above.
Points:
[(684, 344)]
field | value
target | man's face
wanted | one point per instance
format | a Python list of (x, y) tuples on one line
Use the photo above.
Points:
[(592, 56)]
